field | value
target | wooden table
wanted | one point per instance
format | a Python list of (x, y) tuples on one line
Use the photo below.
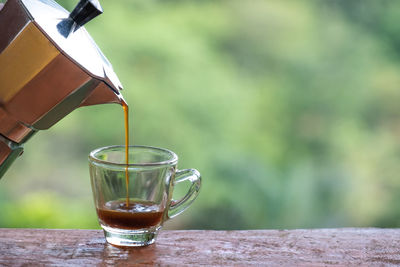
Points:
[(319, 247)]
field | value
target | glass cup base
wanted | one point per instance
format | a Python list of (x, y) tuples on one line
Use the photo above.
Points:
[(130, 238)]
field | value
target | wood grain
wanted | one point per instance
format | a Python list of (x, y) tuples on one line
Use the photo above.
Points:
[(319, 247)]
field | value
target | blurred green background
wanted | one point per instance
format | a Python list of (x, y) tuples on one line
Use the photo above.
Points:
[(289, 109)]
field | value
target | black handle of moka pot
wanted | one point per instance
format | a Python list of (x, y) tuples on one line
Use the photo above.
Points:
[(85, 10), (9, 151)]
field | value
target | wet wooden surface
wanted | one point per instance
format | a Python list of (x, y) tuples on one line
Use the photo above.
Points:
[(319, 247)]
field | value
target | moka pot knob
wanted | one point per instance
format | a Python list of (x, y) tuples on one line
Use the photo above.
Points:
[(85, 11)]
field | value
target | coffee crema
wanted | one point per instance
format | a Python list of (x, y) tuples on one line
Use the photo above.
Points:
[(137, 215)]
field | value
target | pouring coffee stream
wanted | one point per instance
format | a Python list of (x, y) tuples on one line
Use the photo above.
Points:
[(49, 66), (126, 117)]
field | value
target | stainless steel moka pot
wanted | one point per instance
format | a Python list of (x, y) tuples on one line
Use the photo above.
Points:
[(49, 66)]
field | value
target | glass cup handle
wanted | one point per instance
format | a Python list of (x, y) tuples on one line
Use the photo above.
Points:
[(178, 206)]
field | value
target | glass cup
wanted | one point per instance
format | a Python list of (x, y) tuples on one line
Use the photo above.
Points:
[(133, 201)]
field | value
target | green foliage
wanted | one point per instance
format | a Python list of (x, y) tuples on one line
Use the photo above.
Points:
[(288, 109)]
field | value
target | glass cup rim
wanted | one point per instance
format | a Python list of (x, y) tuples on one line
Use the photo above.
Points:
[(172, 160)]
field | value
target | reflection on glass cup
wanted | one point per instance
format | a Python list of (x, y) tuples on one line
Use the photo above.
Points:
[(133, 201)]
